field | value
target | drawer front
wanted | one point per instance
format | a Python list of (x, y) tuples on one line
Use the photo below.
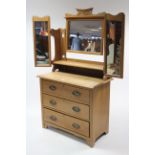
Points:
[(67, 122), (76, 94), (52, 88), (68, 107)]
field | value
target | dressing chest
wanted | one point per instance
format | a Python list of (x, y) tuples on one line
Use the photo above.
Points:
[(75, 96)]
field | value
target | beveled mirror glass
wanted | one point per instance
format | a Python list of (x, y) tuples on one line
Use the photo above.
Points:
[(85, 36), (41, 29)]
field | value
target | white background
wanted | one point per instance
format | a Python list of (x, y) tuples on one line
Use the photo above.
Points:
[(13, 85), (45, 142)]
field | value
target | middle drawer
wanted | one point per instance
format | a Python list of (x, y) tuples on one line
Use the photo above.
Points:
[(65, 106)]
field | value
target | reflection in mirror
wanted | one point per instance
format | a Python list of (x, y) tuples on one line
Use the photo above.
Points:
[(41, 36), (85, 36), (113, 48)]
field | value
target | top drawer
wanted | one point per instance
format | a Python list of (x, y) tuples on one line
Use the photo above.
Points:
[(65, 91), (76, 94), (52, 88)]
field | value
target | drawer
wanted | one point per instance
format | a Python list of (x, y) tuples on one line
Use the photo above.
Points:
[(67, 122), (52, 88), (76, 94), (65, 106)]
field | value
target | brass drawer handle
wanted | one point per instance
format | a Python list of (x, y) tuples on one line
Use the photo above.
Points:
[(76, 109), (52, 87), (53, 118), (53, 102), (76, 93), (76, 126)]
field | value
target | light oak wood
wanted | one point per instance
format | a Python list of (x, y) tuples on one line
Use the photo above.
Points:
[(41, 98), (81, 64), (76, 94), (75, 97), (94, 117), (117, 17), (66, 107), (80, 67), (99, 112), (51, 125), (63, 42), (56, 33), (85, 61), (67, 122), (52, 88), (84, 52), (94, 16), (84, 11), (73, 80), (60, 43), (101, 97)]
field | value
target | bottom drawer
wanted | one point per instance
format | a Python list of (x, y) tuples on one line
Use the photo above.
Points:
[(67, 122)]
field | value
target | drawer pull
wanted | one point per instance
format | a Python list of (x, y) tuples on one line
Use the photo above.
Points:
[(76, 126), (52, 87), (53, 102), (76, 93), (53, 118), (76, 109)]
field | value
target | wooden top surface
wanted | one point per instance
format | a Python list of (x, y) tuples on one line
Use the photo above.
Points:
[(73, 79), (88, 65)]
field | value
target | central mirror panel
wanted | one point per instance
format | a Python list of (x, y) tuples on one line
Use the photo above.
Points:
[(85, 36)]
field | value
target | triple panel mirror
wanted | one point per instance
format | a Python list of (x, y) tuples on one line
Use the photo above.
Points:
[(42, 44), (99, 36)]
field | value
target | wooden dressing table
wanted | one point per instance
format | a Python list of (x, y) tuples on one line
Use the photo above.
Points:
[(75, 95)]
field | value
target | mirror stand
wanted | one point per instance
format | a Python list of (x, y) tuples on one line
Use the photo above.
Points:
[(75, 96)]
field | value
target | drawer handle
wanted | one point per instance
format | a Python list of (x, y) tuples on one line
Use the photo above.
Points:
[(76, 109), (76, 93), (53, 118), (76, 126), (52, 87), (53, 102)]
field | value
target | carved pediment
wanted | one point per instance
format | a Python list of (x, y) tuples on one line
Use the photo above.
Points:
[(85, 13)]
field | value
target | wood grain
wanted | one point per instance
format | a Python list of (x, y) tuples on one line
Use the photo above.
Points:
[(81, 64), (46, 88), (66, 107), (93, 118), (66, 122), (82, 94), (73, 80)]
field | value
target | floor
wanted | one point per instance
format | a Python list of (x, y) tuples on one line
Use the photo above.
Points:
[(52, 141)]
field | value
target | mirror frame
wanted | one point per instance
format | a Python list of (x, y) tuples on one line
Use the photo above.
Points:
[(118, 18), (42, 19), (85, 18)]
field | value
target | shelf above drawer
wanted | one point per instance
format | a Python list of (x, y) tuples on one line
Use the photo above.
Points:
[(81, 64)]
